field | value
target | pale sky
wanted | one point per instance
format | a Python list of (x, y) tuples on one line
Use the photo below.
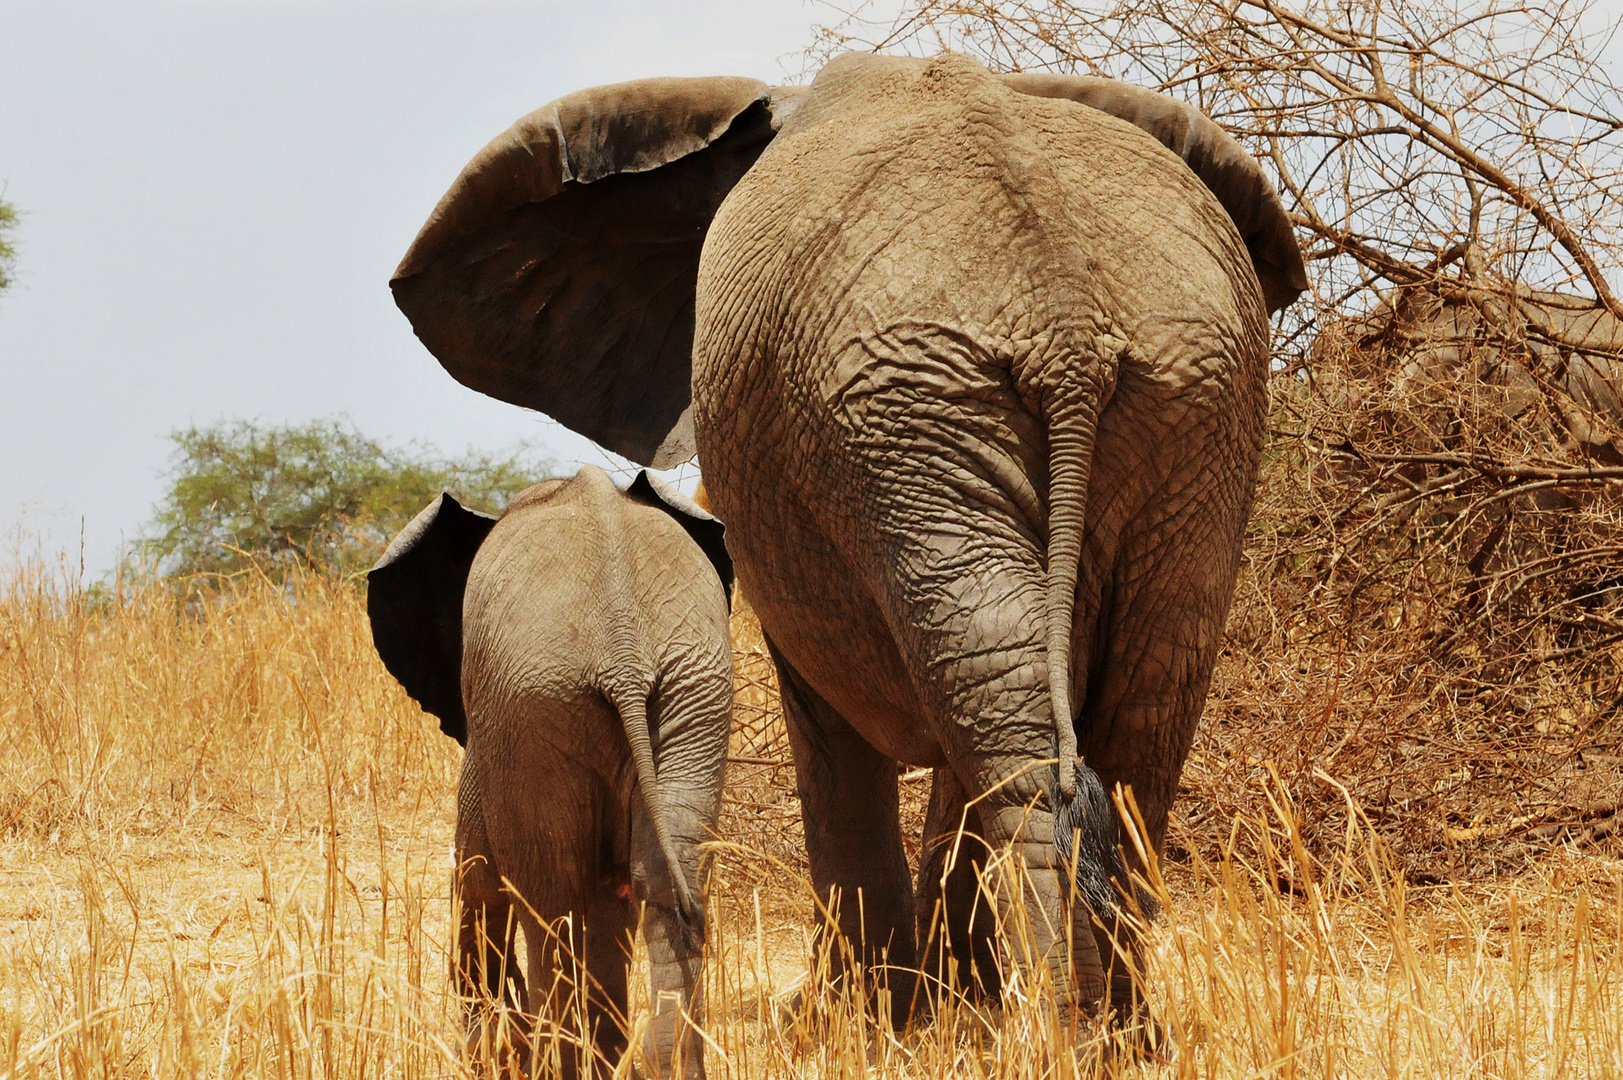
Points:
[(214, 193)]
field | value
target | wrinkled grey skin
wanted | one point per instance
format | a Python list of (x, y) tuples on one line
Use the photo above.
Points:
[(978, 386), (595, 655), (1028, 328)]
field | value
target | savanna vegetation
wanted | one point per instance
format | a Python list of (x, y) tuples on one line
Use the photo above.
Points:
[(303, 497), (227, 847), (226, 833)]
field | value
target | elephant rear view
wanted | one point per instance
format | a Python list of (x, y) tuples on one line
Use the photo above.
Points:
[(591, 648), (976, 366)]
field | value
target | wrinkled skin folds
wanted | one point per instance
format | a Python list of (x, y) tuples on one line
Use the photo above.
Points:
[(978, 384), (944, 331)]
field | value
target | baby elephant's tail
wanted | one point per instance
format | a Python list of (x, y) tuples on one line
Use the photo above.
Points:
[(633, 708)]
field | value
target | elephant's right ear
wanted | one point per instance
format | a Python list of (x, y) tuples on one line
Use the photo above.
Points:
[(558, 272), (414, 602), (705, 529)]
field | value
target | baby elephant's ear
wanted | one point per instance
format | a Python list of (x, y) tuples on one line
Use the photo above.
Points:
[(705, 529), (414, 603), (1221, 163), (558, 272)]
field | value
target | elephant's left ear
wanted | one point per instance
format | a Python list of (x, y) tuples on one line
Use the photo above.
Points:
[(1221, 163), (414, 603), (705, 530), (558, 272)]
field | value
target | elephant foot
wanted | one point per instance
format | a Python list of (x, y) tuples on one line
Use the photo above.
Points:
[(498, 1041)]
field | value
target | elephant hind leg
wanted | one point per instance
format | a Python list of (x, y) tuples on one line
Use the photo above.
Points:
[(545, 813), (1153, 660), (955, 915), (849, 806), (577, 951), (610, 925), (486, 970)]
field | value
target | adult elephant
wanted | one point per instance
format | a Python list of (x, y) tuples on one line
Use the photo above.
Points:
[(977, 383)]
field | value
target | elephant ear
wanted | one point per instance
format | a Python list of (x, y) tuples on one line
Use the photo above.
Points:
[(414, 603), (558, 272), (705, 530), (1221, 163)]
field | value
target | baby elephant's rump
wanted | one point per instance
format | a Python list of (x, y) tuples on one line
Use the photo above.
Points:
[(578, 647)]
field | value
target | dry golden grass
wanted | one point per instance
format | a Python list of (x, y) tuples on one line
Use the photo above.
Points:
[(225, 839)]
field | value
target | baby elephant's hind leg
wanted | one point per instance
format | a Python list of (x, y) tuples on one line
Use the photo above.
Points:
[(486, 973), (609, 928)]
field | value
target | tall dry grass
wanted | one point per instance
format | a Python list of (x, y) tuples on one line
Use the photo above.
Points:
[(222, 834), (225, 851)]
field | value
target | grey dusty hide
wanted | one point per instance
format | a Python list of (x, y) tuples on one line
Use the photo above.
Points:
[(414, 593), (587, 217)]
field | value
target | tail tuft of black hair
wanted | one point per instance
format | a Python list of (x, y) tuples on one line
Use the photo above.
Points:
[(1089, 829)]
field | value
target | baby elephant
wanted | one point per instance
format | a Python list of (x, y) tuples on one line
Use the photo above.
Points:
[(578, 648)]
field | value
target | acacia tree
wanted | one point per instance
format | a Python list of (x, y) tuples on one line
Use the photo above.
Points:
[(316, 496)]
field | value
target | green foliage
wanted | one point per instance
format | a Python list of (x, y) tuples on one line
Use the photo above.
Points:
[(8, 253), (315, 496)]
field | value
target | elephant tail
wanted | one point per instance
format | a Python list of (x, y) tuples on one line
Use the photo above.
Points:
[(632, 705), (627, 680), (1072, 429), (1068, 495)]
